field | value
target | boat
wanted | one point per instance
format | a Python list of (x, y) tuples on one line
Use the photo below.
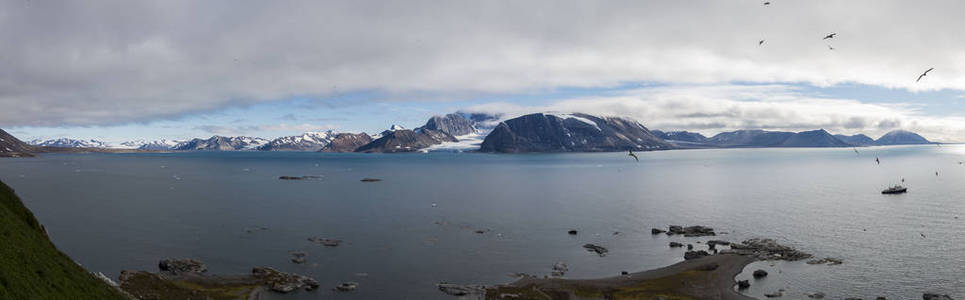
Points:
[(897, 189)]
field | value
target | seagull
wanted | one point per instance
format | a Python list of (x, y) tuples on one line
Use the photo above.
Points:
[(630, 153), (761, 42), (936, 173), (829, 36), (922, 235), (924, 74), (829, 47), (767, 3), (877, 160), (856, 150)]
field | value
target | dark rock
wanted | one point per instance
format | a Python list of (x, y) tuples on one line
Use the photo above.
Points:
[(691, 231), (743, 284), (759, 273), (347, 142), (695, 254), (712, 243), (572, 232), (657, 231), (325, 242), (767, 249), (852, 298), (601, 251), (181, 266), (298, 257), (570, 133), (827, 260), (624, 273), (776, 294), (749, 138), (309, 141), (818, 295), (462, 289), (933, 296), (559, 269), (676, 245), (346, 286), (283, 282), (690, 247), (370, 179), (881, 298)]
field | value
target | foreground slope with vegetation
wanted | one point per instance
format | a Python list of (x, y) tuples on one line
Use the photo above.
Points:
[(31, 267)]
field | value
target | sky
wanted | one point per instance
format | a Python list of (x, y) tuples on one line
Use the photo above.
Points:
[(124, 70)]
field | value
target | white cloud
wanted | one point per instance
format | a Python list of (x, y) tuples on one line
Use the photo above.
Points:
[(710, 109), (109, 62)]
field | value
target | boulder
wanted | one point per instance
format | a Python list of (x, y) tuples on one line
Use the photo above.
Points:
[(283, 282), (346, 286), (181, 266), (933, 296), (695, 254), (691, 231), (817, 295), (657, 231), (743, 284), (760, 273), (460, 290), (676, 245), (600, 250)]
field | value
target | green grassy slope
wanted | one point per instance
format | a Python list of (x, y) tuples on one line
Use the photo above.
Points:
[(31, 267)]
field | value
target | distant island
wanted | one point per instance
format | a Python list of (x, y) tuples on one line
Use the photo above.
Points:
[(531, 133)]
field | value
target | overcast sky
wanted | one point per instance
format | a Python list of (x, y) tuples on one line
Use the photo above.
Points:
[(125, 69)]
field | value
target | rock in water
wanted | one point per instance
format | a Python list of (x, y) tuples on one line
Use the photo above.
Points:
[(691, 231), (657, 231), (462, 289), (371, 179), (347, 286), (601, 251), (676, 245), (572, 232), (933, 296), (283, 282), (181, 266), (695, 254), (767, 249), (818, 295), (760, 273), (743, 284)]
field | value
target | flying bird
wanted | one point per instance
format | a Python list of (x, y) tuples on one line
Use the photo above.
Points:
[(767, 3), (877, 160), (922, 235), (856, 150), (630, 153), (924, 74), (829, 47), (761, 42), (829, 36)]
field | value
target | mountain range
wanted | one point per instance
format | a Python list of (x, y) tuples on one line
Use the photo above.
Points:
[(538, 132)]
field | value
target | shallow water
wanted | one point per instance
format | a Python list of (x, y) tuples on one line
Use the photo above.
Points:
[(126, 211)]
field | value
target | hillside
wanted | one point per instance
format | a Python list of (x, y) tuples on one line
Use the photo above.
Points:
[(570, 133), (32, 268), (10, 146), (901, 137)]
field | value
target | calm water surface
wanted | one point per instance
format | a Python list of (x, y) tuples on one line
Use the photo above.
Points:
[(126, 211)]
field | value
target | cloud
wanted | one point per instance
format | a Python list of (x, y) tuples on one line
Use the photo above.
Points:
[(113, 61), (265, 128), (710, 109)]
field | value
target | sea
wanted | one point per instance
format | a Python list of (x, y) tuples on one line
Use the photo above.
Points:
[(479, 218)]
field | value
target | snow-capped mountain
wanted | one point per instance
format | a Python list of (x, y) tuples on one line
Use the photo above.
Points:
[(309, 141), (222, 143), (162, 144), (69, 143)]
